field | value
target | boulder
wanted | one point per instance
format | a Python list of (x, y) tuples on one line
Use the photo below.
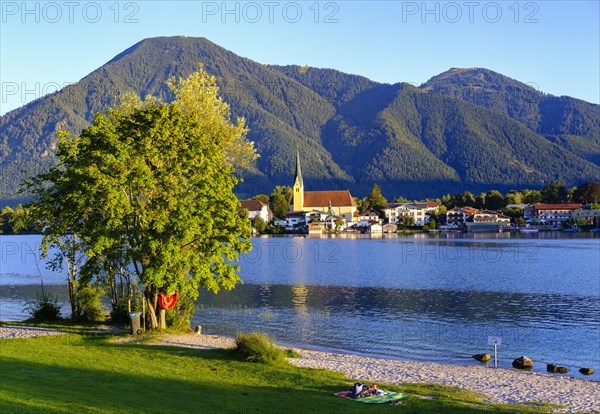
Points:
[(482, 357), (556, 368), (586, 371), (522, 363)]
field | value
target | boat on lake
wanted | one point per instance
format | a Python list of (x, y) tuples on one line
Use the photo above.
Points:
[(528, 230)]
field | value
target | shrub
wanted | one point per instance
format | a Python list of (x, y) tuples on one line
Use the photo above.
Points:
[(89, 304), (119, 312), (178, 318), (44, 308), (258, 347)]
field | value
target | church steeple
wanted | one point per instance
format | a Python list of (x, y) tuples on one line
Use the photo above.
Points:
[(298, 204), (298, 179)]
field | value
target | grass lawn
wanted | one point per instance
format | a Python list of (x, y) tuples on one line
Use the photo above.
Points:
[(86, 372)]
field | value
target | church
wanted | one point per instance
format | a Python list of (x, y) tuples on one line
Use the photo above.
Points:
[(338, 202)]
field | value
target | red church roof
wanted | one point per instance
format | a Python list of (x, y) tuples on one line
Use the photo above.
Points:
[(338, 198)]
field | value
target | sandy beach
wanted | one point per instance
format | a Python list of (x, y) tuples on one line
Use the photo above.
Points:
[(500, 385)]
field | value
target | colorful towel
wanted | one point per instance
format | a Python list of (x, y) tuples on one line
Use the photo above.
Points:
[(389, 397)]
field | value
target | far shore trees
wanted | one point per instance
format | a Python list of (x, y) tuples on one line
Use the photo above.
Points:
[(146, 193)]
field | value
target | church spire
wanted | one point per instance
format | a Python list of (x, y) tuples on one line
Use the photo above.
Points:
[(298, 179), (298, 191)]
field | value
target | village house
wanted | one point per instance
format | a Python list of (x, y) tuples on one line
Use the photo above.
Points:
[(553, 214), (419, 212), (587, 216), (292, 220), (257, 208), (485, 217), (486, 221), (369, 215), (458, 216)]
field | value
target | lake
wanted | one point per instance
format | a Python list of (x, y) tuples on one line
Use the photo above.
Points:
[(424, 297)]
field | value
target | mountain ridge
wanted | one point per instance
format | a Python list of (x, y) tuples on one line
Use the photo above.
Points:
[(351, 131)]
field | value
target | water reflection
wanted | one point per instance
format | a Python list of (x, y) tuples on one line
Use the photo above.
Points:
[(433, 325)]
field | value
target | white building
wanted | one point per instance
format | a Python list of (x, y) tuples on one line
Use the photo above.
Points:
[(257, 208), (419, 212)]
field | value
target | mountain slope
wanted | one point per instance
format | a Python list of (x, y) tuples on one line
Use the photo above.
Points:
[(571, 123), (465, 129)]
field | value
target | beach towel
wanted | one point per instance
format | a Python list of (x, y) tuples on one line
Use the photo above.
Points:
[(389, 397)]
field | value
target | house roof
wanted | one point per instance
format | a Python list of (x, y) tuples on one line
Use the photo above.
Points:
[(252, 205), (415, 205), (469, 210), (338, 198), (562, 206), (369, 212)]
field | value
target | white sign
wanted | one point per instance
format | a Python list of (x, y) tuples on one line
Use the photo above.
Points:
[(494, 340)]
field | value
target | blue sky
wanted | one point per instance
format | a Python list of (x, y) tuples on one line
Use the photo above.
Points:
[(552, 45)]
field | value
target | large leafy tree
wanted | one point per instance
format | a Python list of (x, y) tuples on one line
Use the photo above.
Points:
[(554, 193), (494, 200), (587, 193), (149, 189), (375, 200), (280, 200)]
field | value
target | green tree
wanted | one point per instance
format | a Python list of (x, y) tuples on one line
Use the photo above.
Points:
[(280, 200), (375, 200), (150, 187), (6, 220), (405, 221), (588, 193), (447, 201), (532, 196), (259, 224), (494, 200), (262, 198), (400, 199), (554, 193), (59, 212), (513, 212), (513, 197), (467, 199), (480, 201)]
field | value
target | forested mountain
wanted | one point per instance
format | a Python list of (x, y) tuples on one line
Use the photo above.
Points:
[(571, 123), (462, 130)]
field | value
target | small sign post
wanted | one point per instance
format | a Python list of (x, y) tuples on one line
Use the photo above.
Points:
[(495, 340)]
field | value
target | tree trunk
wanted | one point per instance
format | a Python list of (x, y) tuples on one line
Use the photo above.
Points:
[(151, 299), (162, 320)]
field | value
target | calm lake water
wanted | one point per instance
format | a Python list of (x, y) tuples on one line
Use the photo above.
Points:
[(433, 298)]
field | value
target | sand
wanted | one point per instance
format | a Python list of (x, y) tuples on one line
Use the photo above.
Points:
[(500, 385), (9, 331)]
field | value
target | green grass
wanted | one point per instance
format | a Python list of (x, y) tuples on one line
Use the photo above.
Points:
[(86, 372)]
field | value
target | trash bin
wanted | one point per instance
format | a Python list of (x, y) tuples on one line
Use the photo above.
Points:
[(136, 328)]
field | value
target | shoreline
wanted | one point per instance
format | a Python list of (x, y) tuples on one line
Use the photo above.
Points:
[(499, 385)]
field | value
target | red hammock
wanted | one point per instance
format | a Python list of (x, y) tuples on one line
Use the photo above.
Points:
[(167, 302)]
